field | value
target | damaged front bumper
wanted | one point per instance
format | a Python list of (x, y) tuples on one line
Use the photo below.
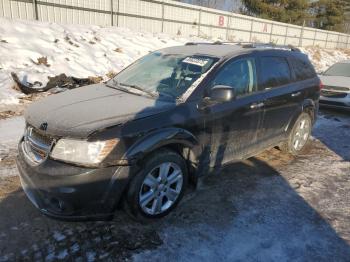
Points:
[(70, 192)]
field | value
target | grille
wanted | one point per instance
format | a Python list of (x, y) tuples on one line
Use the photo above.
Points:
[(332, 94), (36, 146)]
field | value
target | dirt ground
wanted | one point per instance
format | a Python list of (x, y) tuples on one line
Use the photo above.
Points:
[(272, 207)]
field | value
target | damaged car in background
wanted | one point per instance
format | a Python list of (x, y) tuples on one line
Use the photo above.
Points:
[(138, 140)]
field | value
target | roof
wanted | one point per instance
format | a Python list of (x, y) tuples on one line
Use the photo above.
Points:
[(223, 49), (204, 49)]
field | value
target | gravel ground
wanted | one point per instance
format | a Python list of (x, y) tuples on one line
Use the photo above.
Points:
[(272, 207)]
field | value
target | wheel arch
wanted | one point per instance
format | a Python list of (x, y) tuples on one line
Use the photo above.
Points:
[(179, 140), (168, 137), (308, 106)]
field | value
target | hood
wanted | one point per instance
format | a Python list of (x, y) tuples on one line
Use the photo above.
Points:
[(79, 112), (338, 81)]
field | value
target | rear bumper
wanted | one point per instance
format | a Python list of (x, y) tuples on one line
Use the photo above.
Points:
[(69, 192)]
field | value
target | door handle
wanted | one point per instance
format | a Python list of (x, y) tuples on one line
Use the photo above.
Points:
[(296, 94), (256, 105)]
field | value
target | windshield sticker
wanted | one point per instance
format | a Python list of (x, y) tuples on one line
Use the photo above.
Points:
[(196, 61)]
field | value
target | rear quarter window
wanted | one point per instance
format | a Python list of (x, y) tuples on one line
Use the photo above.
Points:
[(275, 71), (303, 69)]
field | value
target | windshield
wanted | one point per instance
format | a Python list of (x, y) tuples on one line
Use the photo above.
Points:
[(340, 69), (163, 74)]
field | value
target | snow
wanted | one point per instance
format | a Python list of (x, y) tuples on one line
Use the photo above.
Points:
[(76, 50), (63, 254), (323, 58), (58, 236), (11, 131), (87, 50)]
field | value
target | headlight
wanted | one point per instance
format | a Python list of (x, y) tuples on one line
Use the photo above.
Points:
[(82, 152)]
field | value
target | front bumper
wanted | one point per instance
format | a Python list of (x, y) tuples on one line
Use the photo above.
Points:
[(332, 102), (69, 192)]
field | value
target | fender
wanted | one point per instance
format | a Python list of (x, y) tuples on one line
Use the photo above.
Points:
[(160, 138)]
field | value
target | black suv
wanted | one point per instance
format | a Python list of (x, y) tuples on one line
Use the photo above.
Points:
[(162, 122)]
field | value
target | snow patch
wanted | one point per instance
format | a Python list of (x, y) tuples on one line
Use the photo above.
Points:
[(58, 236), (76, 50)]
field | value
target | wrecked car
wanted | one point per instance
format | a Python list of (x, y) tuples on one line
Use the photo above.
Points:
[(138, 140)]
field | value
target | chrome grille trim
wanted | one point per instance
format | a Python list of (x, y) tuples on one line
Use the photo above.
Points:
[(36, 146), (337, 88), (332, 94)]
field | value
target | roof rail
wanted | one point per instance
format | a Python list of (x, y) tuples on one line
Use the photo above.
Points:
[(205, 43), (270, 45), (249, 45)]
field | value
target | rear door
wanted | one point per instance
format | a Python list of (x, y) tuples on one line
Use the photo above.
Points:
[(306, 80), (281, 97)]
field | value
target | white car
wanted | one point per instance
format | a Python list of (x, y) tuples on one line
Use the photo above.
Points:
[(336, 90)]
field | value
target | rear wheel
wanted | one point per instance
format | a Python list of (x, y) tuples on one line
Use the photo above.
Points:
[(156, 190), (299, 135)]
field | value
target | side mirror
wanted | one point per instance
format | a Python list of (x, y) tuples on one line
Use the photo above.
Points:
[(221, 93)]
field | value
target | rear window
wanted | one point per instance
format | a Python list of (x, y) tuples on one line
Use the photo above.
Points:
[(274, 72), (303, 69)]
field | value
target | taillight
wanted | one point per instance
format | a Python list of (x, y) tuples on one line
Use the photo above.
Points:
[(321, 85)]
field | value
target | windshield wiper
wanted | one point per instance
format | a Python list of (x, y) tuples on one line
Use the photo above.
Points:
[(116, 86), (121, 86), (138, 88)]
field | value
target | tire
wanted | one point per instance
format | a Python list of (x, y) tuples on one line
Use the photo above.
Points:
[(151, 195), (299, 135)]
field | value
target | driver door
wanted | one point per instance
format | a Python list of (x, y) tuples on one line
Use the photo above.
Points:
[(232, 126)]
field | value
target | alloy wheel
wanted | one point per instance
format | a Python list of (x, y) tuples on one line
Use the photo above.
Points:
[(301, 134), (160, 188)]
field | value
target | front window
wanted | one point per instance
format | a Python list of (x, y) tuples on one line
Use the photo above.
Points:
[(239, 74), (161, 74), (340, 69)]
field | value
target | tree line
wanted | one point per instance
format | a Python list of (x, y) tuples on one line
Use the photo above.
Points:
[(323, 14)]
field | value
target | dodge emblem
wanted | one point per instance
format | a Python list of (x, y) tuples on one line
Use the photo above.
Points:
[(43, 126)]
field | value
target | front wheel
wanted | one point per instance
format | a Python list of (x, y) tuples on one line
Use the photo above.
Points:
[(156, 190), (299, 135)]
